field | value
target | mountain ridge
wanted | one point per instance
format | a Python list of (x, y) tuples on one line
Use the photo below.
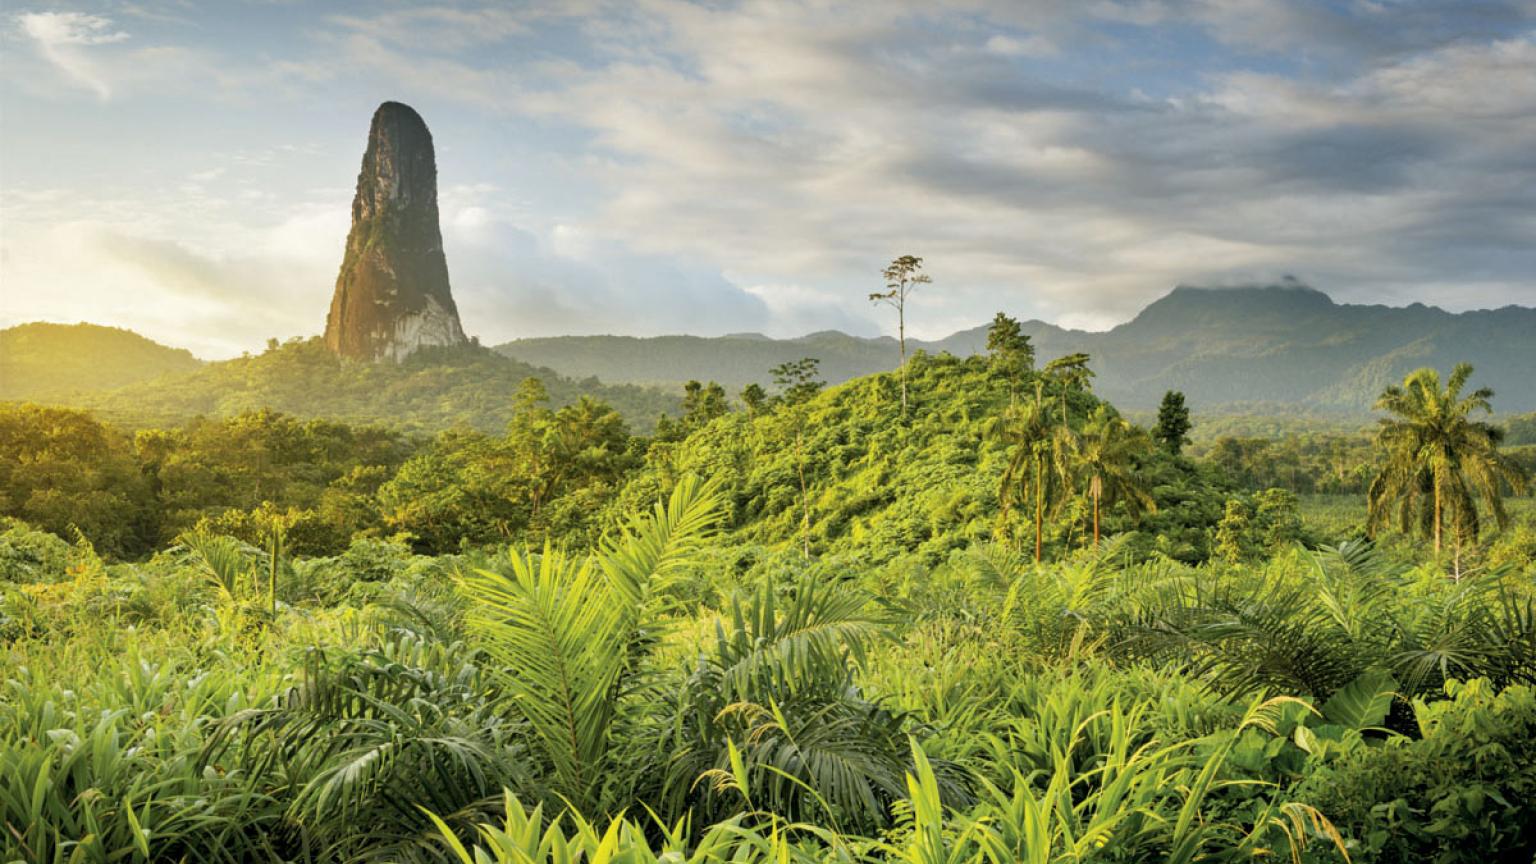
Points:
[(1257, 349), (1285, 343)]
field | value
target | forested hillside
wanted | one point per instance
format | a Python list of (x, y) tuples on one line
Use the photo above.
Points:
[(434, 389), (877, 489), (55, 361), (1261, 349)]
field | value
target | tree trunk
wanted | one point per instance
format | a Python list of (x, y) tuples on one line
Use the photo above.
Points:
[(901, 341), (805, 498), (1096, 494), (1039, 513), (277, 549), (1437, 516)]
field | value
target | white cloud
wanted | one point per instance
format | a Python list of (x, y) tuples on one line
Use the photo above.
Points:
[(1028, 46), (61, 37), (441, 29)]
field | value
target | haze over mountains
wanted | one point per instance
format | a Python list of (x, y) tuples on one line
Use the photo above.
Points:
[(1260, 349), (1256, 347), (44, 362)]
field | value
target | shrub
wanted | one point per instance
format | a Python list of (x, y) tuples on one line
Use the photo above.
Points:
[(1464, 792)]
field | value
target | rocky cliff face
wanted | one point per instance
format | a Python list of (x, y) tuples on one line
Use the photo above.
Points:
[(392, 294)]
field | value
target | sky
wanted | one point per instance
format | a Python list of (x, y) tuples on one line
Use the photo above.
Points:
[(186, 169)]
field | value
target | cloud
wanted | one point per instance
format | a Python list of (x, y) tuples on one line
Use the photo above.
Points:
[(243, 279), (214, 303), (667, 166), (801, 146), (61, 37), (1358, 32), (517, 276), (1028, 46), (440, 29)]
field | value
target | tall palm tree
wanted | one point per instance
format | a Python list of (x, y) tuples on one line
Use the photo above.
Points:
[(1436, 460), (1106, 455), (1037, 471)]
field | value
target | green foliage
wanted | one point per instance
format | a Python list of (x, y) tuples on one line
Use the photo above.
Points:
[(1012, 356), (63, 470), (29, 555), (1173, 425), (1258, 525), (831, 650), (702, 404), (569, 635), (1105, 458), (1314, 625), (1437, 461), (771, 716), (754, 398), (876, 490), (1039, 474), (1520, 430), (1463, 792), (797, 380), (1304, 463), (367, 739)]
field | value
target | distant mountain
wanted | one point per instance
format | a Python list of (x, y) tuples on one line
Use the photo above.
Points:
[(43, 362), (1262, 348)]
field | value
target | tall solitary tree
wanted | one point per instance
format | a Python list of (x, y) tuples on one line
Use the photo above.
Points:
[(902, 277), (1106, 457), (1436, 460), (1172, 430)]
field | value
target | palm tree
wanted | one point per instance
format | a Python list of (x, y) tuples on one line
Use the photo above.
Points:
[(1436, 460), (1037, 470), (772, 713), (569, 634), (1106, 454)]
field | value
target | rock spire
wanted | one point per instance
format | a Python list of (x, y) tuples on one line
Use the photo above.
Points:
[(392, 294)]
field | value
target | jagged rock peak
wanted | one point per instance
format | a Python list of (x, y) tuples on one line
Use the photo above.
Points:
[(392, 295)]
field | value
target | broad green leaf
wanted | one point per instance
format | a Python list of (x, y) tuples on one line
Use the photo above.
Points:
[(1363, 702)]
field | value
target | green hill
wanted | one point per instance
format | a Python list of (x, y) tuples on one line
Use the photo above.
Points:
[(880, 487), (1262, 349), (433, 389), (42, 361)]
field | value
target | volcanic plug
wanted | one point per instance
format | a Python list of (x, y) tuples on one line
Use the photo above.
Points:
[(392, 295)]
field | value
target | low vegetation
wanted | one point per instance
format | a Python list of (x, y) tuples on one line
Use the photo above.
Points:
[(1012, 626)]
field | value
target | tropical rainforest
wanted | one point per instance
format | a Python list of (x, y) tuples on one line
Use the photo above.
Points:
[(962, 611)]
